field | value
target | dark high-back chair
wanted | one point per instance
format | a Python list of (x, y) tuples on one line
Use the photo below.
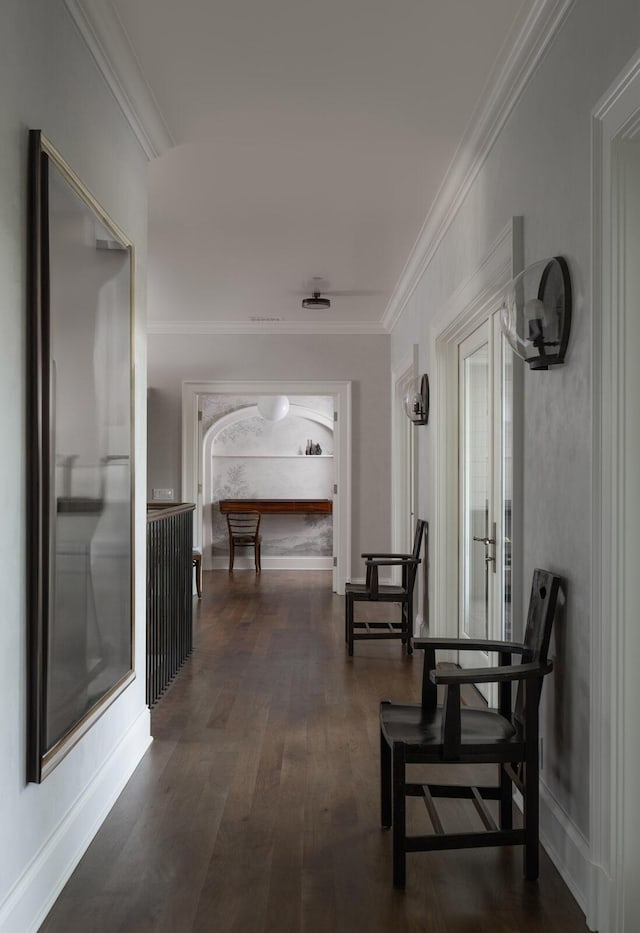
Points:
[(244, 532), (426, 733), (372, 591)]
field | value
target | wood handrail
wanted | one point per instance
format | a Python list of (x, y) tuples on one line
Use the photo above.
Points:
[(158, 510)]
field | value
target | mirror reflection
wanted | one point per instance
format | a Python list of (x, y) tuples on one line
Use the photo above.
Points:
[(89, 642)]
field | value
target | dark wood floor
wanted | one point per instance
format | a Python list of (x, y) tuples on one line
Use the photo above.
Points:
[(256, 808)]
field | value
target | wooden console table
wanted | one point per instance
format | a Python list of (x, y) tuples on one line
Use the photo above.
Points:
[(290, 506)]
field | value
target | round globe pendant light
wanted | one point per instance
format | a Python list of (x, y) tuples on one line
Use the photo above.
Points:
[(273, 407)]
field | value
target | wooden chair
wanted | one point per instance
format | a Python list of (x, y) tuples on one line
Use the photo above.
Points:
[(244, 532), (372, 591), (426, 733), (197, 563)]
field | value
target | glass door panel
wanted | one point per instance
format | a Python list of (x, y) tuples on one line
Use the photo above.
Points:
[(476, 449), (487, 400), (505, 538)]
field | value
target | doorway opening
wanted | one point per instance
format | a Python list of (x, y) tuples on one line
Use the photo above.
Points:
[(478, 458), (487, 403), (193, 480), (245, 456)]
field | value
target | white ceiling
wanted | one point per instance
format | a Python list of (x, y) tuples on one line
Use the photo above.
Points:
[(309, 139)]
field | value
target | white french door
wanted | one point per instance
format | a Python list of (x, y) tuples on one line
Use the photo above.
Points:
[(485, 443)]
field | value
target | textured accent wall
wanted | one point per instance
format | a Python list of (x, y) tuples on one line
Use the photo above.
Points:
[(247, 457)]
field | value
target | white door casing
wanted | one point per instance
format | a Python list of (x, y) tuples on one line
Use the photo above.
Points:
[(471, 304), (613, 895)]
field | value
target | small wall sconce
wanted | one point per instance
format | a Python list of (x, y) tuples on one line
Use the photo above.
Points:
[(273, 407), (416, 401), (536, 313)]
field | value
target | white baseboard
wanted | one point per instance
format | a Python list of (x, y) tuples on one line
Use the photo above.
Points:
[(33, 895), (600, 898), (274, 563), (566, 847)]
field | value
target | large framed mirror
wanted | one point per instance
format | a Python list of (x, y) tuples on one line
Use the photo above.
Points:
[(80, 460)]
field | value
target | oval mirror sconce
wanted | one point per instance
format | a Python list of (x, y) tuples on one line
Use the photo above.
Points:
[(536, 313), (416, 401)]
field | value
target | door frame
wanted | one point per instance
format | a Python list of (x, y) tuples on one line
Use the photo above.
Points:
[(477, 340), (460, 316), (615, 120), (191, 455)]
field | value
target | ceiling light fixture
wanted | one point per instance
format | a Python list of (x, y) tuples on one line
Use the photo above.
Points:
[(316, 302), (273, 407)]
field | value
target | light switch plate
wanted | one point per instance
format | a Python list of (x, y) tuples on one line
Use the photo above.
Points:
[(164, 495)]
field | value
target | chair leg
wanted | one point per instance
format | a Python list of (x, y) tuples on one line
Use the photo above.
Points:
[(399, 816), (385, 783), (257, 557), (409, 625), (348, 616), (506, 800), (531, 790), (231, 555), (197, 563), (349, 610)]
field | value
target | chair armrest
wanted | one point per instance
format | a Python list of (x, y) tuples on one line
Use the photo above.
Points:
[(469, 644), (394, 563), (372, 571), (451, 734), (381, 554), (489, 675)]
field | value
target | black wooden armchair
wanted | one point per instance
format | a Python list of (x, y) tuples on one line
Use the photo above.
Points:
[(372, 591), (426, 733)]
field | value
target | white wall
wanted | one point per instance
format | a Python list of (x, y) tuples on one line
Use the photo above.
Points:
[(48, 81), (539, 168), (362, 359), (630, 159)]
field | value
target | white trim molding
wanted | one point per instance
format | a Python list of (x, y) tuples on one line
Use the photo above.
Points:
[(250, 411), (527, 45), (615, 120), (265, 327), (101, 28), (34, 894)]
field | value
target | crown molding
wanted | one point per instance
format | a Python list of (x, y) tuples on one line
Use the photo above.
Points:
[(526, 47), (271, 327), (106, 39)]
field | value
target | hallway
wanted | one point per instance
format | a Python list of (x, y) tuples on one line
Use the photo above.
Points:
[(256, 807)]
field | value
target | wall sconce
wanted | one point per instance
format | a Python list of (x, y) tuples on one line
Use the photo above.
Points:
[(273, 407), (416, 401), (536, 313)]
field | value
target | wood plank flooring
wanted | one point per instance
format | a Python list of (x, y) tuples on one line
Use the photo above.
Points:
[(256, 808)]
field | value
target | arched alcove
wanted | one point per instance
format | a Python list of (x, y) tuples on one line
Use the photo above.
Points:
[(245, 456)]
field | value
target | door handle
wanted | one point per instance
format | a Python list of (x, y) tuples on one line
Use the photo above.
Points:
[(489, 542)]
